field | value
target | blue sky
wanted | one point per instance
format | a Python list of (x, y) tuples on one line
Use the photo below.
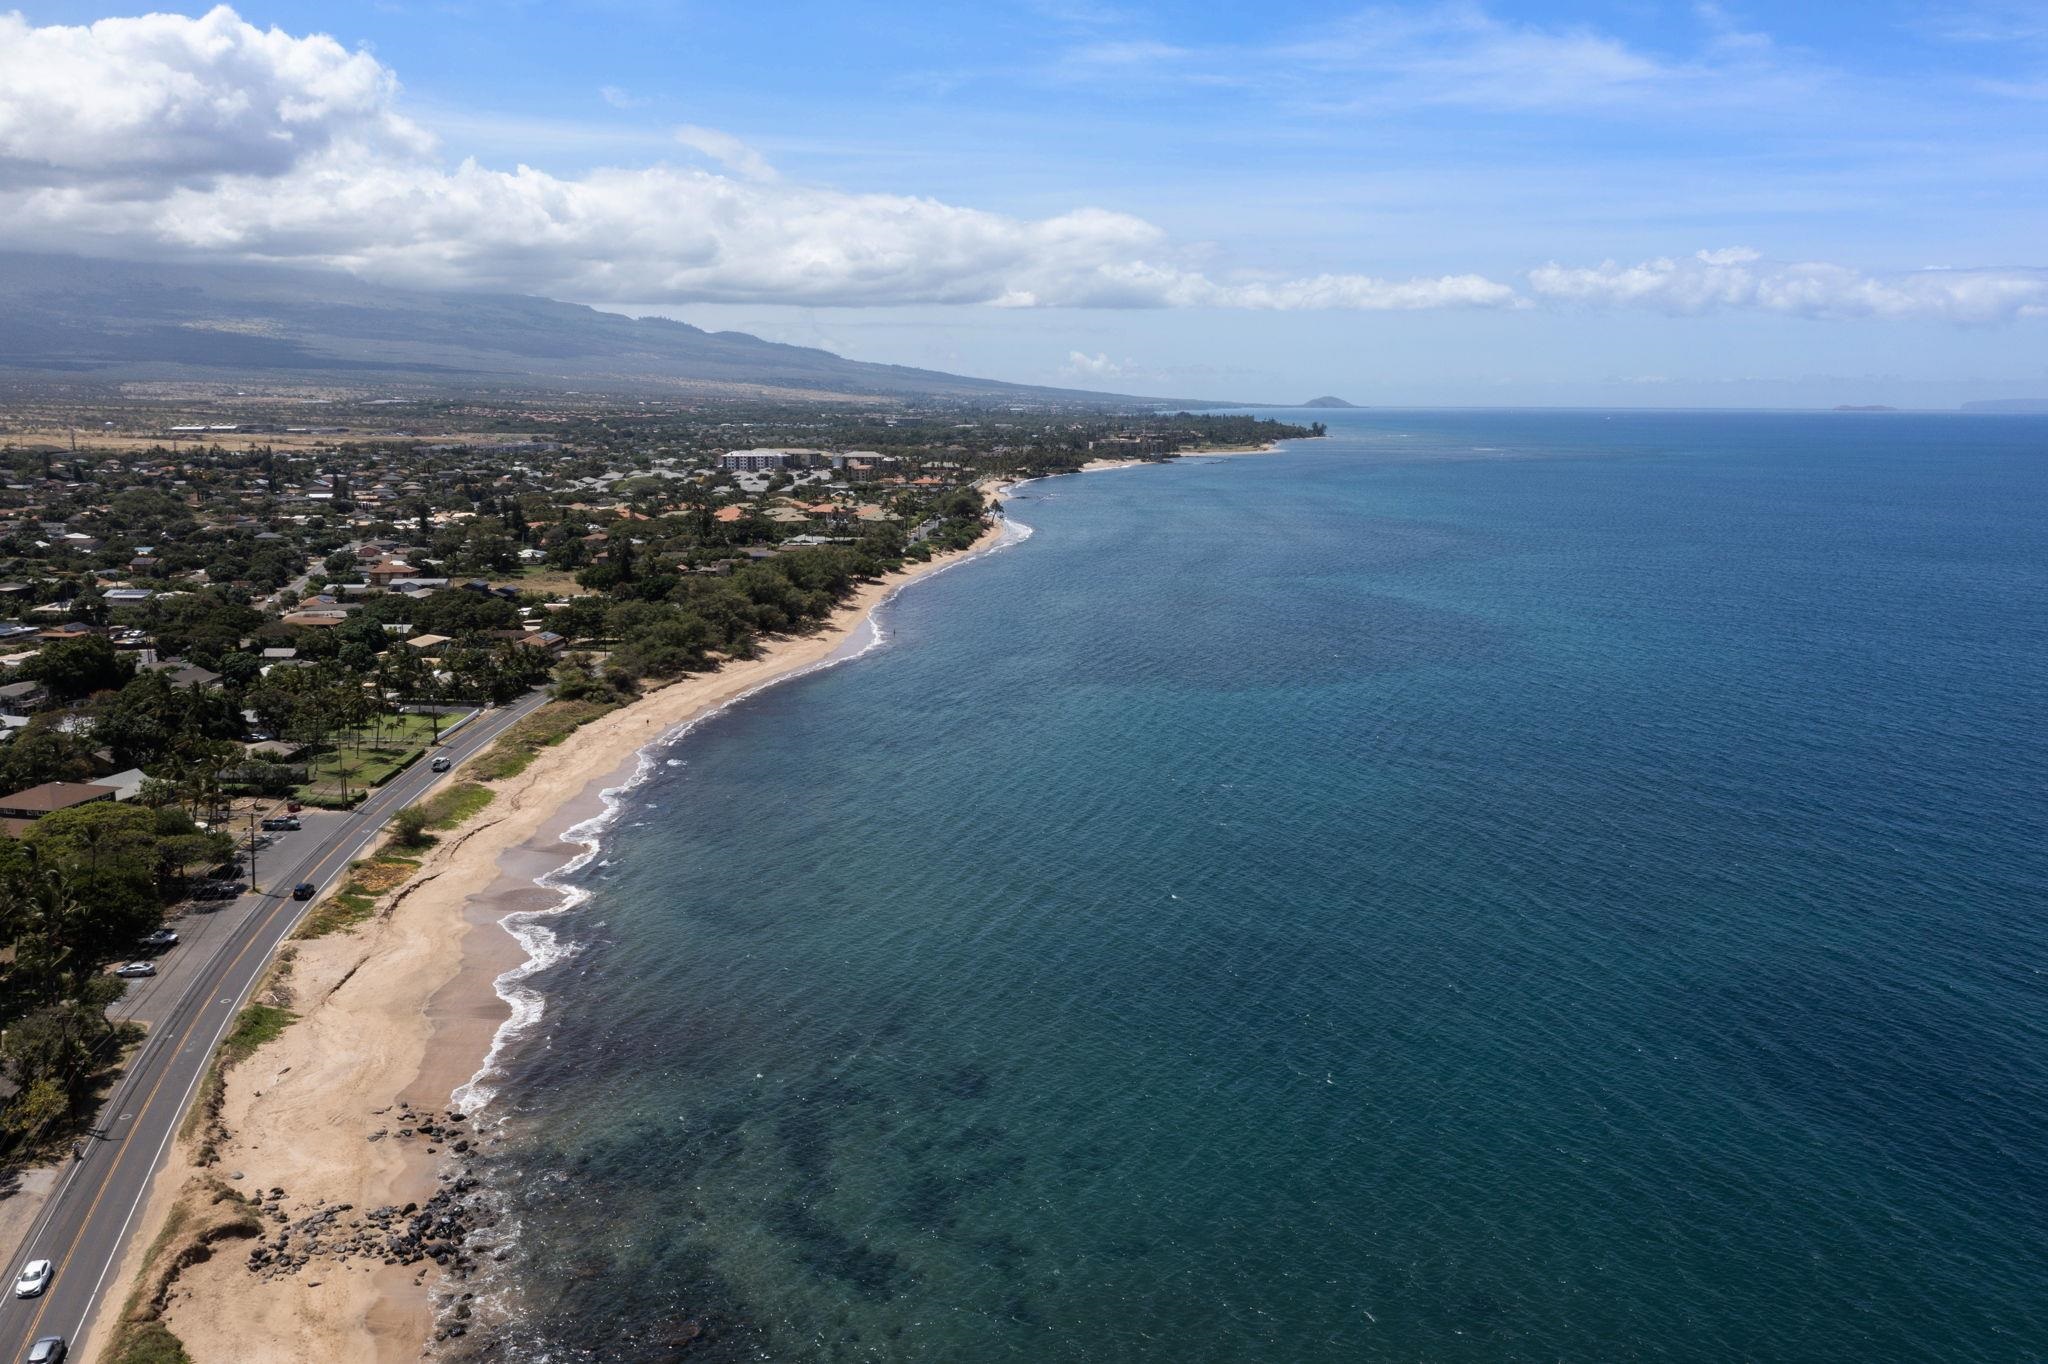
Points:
[(1438, 203)]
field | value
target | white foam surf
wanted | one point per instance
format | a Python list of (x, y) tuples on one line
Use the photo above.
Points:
[(543, 946)]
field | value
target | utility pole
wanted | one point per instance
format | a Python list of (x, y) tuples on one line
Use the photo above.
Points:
[(252, 852)]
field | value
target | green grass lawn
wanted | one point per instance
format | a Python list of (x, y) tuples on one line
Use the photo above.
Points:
[(387, 749)]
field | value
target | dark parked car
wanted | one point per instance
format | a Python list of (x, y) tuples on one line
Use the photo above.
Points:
[(281, 823), (304, 890)]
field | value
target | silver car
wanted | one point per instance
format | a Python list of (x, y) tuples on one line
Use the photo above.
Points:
[(35, 1277)]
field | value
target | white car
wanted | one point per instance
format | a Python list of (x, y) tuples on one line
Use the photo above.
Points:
[(136, 968), (35, 1277)]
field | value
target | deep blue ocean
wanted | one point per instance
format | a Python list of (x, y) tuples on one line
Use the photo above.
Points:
[(1481, 887)]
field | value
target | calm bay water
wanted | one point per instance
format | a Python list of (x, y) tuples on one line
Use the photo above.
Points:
[(1482, 887)]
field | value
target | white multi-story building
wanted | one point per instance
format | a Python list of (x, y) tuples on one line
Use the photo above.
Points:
[(763, 460)]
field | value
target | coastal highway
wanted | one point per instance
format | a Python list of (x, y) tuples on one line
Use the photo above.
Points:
[(97, 1201)]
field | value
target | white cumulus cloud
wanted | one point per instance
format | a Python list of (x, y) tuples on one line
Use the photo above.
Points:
[(212, 138), (1739, 277), (1100, 366), (166, 98)]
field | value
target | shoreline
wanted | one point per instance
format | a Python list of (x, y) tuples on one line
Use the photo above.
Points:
[(1271, 447), (573, 834), (411, 1011)]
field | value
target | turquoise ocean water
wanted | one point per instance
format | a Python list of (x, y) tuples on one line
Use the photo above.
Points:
[(1482, 887)]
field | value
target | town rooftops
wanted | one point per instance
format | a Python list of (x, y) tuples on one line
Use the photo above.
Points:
[(183, 674), (51, 797), (125, 785)]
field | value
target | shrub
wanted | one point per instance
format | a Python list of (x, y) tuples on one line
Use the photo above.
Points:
[(409, 826)]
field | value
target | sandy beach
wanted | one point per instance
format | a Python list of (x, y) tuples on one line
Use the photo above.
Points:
[(394, 1017), (1096, 466)]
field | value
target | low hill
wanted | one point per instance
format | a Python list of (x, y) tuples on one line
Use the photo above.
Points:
[(75, 318), (2025, 406), (1327, 401)]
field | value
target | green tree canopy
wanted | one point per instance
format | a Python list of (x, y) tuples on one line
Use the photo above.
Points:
[(75, 668)]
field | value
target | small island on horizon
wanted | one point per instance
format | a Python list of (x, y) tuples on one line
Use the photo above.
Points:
[(1328, 401)]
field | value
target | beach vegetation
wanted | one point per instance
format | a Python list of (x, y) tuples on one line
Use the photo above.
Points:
[(146, 1342), (458, 804), (409, 827), (582, 677), (545, 728), (355, 899), (254, 1026), (205, 1213)]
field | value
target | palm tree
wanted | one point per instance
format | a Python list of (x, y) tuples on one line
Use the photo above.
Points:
[(49, 921)]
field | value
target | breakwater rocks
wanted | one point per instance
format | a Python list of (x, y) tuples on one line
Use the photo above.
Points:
[(443, 1231)]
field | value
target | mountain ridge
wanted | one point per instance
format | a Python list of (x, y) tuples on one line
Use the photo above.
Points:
[(79, 318)]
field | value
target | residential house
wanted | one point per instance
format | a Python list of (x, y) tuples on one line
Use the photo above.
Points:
[(23, 808), (385, 572), (22, 698), (183, 674)]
